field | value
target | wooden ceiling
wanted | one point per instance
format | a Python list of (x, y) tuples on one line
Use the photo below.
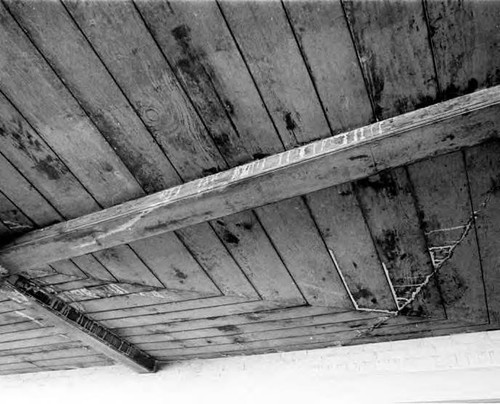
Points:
[(389, 231)]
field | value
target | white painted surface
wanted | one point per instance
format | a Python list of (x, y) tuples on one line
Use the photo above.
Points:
[(459, 367)]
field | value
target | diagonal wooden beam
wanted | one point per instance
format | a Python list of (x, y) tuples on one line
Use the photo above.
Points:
[(56, 312), (448, 126)]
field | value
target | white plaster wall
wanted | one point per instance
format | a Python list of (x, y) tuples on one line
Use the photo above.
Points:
[(459, 367)]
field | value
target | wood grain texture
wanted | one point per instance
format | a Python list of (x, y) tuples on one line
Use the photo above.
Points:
[(49, 107), (392, 42), (389, 207), (13, 219), (325, 41), (250, 246), (448, 126), (201, 313), (268, 45), (465, 37), (299, 244), (342, 225), (67, 50), (203, 55), (16, 188), (122, 41), (215, 258), (483, 168), (174, 266), (442, 195)]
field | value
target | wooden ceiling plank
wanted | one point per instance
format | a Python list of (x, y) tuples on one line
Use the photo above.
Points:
[(16, 327), (173, 264), (204, 57), (336, 338), (483, 167), (250, 246), (394, 51), (442, 195), (343, 227), (267, 43), (13, 218), (76, 325), (215, 258), (264, 330), (230, 321), (389, 207), (267, 335), (347, 338), (123, 43), (51, 28), (465, 39), (17, 188), (42, 167), (30, 83), (298, 242), (323, 35), (134, 305), (180, 316), (49, 347), (441, 128), (48, 355)]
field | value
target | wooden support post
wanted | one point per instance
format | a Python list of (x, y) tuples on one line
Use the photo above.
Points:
[(442, 128), (59, 314)]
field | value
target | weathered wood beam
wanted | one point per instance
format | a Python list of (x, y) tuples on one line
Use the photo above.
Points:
[(59, 314), (462, 122)]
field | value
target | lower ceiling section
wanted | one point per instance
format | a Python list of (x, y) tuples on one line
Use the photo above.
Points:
[(406, 253)]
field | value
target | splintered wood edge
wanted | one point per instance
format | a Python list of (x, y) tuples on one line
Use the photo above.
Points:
[(438, 129), (56, 312)]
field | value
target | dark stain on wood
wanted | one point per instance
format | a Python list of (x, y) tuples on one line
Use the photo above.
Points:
[(179, 274), (228, 328), (289, 121)]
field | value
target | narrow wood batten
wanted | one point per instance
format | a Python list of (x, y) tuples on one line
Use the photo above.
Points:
[(438, 129)]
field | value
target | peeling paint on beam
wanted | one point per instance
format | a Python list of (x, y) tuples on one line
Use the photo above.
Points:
[(441, 128), (56, 312)]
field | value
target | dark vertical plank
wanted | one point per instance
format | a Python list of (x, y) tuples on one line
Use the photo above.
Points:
[(66, 49), (393, 45), (325, 41), (246, 240), (200, 49), (267, 42), (122, 41), (340, 220), (442, 196), (483, 167), (389, 208), (465, 38), (298, 242)]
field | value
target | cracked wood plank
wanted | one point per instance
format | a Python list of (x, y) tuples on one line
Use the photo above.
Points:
[(442, 195), (387, 202), (448, 126), (55, 312), (483, 167)]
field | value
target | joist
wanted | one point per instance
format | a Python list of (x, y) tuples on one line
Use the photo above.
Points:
[(55, 312), (438, 129)]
